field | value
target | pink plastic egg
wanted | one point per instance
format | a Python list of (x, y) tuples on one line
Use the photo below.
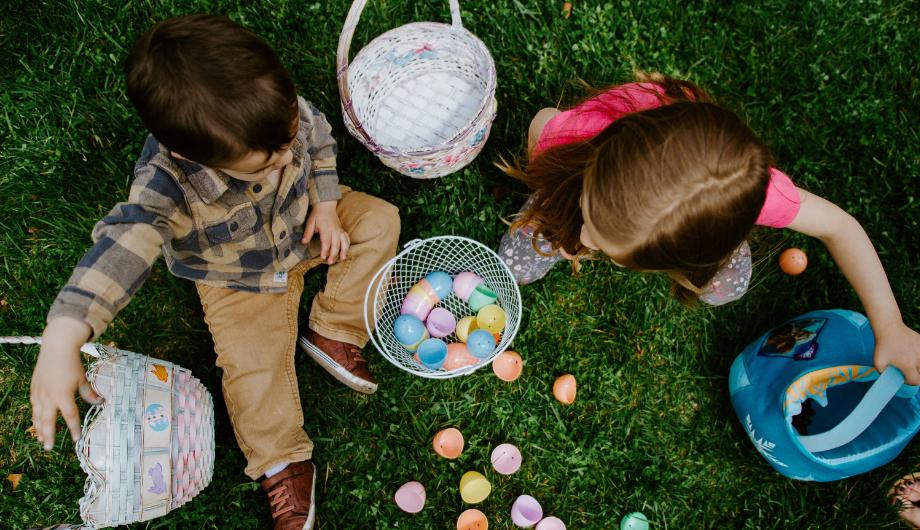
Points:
[(472, 519), (464, 283), (448, 443), (458, 356), (441, 322), (420, 300), (506, 459), (508, 365), (410, 497), (526, 511), (551, 523)]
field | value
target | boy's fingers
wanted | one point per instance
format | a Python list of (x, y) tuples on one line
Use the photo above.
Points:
[(88, 394), (334, 244), (324, 239), (346, 244), (71, 418), (46, 428)]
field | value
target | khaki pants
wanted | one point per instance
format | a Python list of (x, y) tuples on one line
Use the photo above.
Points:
[(255, 334)]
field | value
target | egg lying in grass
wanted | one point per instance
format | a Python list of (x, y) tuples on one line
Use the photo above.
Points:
[(410, 497), (448, 443)]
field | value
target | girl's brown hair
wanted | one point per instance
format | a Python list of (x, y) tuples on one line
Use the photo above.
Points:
[(674, 189)]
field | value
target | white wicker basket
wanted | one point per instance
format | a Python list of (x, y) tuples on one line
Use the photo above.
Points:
[(149, 447), (421, 96), (450, 254)]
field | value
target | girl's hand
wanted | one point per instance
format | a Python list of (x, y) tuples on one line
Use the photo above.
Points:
[(324, 219), (898, 345), (57, 376)]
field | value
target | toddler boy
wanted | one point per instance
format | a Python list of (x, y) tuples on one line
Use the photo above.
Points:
[(237, 187)]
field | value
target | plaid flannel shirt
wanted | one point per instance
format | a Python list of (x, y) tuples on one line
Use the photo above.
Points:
[(212, 228)]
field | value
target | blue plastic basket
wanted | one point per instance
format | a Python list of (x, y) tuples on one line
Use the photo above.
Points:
[(812, 403)]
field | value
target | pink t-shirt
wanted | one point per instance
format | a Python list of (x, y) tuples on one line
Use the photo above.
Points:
[(593, 116)]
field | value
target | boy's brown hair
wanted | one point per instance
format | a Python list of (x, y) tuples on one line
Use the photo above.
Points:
[(678, 188), (211, 90)]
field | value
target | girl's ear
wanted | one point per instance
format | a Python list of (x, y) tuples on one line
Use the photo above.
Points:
[(586, 239)]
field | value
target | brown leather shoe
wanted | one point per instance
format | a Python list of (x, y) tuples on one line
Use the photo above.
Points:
[(341, 359), (291, 496)]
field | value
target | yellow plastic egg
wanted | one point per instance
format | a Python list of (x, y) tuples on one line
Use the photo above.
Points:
[(465, 326), (474, 487), (491, 318), (448, 443), (472, 519), (564, 389), (508, 366)]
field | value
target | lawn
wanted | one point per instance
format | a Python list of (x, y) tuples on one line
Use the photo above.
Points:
[(833, 87)]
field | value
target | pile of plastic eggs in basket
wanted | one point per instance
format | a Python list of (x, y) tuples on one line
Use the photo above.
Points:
[(427, 328)]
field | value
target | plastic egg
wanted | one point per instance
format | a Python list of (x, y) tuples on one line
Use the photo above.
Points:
[(465, 326), (564, 389), (634, 521), (448, 443), (491, 318), (420, 300), (508, 365), (481, 297), (472, 519), (793, 261), (506, 459), (432, 352), (410, 497), (441, 282), (458, 356), (474, 487), (526, 511), (480, 343), (551, 523), (441, 322), (409, 331), (464, 283)]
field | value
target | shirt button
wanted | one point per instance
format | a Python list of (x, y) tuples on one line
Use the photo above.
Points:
[(282, 235), (257, 188), (287, 253)]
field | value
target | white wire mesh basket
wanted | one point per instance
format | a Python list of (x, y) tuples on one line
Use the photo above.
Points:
[(450, 254), (421, 96), (148, 448)]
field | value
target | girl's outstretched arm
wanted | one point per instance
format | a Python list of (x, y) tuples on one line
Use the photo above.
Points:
[(844, 237)]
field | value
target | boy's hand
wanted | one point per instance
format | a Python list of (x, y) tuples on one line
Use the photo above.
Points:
[(324, 220), (57, 376), (899, 345)]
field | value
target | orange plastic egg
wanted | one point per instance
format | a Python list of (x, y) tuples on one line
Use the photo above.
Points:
[(458, 356), (472, 519), (508, 366), (564, 389), (793, 261), (448, 443)]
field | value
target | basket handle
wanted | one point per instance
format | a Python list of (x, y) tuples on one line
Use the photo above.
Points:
[(879, 394), (88, 347), (341, 62)]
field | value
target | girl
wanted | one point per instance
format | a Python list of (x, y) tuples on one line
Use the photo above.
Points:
[(658, 178)]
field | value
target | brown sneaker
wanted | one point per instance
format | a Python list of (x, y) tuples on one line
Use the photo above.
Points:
[(291, 496), (341, 359)]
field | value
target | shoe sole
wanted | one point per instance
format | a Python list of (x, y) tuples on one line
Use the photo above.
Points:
[(335, 369), (311, 516)]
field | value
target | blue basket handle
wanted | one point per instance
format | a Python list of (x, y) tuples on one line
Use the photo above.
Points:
[(877, 397)]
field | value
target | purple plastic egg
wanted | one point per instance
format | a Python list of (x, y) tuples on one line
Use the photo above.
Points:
[(526, 511), (551, 523), (441, 322)]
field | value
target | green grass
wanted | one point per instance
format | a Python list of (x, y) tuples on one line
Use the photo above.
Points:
[(832, 86)]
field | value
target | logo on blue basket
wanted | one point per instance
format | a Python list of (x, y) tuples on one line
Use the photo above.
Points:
[(156, 418), (796, 340)]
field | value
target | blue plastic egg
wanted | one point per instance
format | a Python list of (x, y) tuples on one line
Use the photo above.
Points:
[(432, 352), (480, 343), (409, 331), (441, 282)]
